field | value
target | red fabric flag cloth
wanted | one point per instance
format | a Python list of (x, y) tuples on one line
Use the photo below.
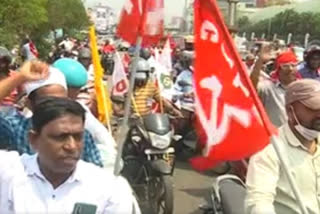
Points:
[(33, 49), (130, 20), (233, 121), (153, 22), (142, 18)]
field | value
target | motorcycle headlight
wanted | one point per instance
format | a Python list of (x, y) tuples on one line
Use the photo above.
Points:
[(160, 141)]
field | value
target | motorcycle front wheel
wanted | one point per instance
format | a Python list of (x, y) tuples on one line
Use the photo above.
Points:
[(163, 199)]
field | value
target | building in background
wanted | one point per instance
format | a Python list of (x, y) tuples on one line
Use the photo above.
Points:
[(104, 18)]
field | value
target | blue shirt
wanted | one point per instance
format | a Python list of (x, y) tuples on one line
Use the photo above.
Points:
[(21, 126), (307, 73), (185, 77)]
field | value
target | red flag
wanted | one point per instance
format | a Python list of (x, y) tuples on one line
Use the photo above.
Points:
[(33, 49), (142, 18), (130, 20), (153, 22), (233, 120)]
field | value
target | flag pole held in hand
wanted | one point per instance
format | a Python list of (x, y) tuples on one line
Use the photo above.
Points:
[(231, 115)]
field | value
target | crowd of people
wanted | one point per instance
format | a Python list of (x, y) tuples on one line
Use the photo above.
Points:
[(60, 154)]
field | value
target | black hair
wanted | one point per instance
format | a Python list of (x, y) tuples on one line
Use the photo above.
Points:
[(51, 108), (33, 97)]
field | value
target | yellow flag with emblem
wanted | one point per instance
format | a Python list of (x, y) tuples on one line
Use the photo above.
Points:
[(104, 104)]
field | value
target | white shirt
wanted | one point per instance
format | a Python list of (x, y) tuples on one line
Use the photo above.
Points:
[(268, 189), (24, 189), (103, 138)]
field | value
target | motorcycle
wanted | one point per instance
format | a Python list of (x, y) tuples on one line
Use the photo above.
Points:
[(107, 63), (149, 163), (227, 196)]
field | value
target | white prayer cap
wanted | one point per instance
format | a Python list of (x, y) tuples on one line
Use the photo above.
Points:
[(55, 77)]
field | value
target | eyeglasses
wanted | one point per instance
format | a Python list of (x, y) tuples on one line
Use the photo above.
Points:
[(288, 66)]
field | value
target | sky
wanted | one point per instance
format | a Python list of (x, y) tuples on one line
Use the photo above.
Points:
[(172, 7)]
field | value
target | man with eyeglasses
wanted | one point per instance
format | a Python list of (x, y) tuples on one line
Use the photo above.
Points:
[(271, 91)]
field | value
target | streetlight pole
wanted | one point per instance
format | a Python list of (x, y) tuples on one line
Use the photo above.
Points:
[(185, 16), (232, 12)]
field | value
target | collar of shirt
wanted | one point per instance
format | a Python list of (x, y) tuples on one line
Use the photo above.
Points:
[(32, 169), (294, 141)]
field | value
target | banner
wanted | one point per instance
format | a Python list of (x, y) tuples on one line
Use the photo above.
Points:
[(233, 121)]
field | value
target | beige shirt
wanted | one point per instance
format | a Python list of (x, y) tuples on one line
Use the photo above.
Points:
[(268, 189), (272, 98)]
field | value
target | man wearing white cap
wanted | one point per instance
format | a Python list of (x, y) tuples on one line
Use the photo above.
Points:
[(40, 81), (268, 188)]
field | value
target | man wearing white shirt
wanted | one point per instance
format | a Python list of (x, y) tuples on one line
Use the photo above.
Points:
[(55, 180), (268, 188)]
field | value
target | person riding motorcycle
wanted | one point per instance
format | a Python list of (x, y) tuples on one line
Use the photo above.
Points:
[(311, 65), (184, 84), (145, 91), (87, 93), (184, 98)]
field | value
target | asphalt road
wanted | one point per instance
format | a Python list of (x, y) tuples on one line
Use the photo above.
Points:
[(191, 188)]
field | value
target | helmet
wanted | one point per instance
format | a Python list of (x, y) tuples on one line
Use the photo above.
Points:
[(4, 53), (84, 53), (312, 49), (145, 53), (143, 65), (76, 75), (187, 58)]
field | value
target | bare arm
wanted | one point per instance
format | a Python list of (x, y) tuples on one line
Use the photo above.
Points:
[(255, 74), (30, 71), (7, 85), (265, 55)]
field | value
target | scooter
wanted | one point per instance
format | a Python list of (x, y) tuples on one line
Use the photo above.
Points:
[(227, 196)]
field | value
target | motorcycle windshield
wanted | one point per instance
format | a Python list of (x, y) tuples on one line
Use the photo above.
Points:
[(157, 123)]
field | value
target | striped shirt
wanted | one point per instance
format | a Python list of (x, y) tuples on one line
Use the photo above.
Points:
[(143, 98)]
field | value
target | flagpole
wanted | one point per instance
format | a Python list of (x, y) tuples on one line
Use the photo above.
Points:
[(123, 131), (264, 118)]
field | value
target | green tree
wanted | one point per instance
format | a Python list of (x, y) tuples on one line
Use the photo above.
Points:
[(286, 22), (67, 15), (19, 18), (243, 22)]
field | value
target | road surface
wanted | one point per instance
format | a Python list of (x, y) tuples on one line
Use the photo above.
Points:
[(190, 188)]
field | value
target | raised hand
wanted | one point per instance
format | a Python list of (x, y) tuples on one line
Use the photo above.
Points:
[(34, 70), (267, 52)]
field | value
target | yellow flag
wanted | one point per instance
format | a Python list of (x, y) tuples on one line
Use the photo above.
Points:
[(104, 104)]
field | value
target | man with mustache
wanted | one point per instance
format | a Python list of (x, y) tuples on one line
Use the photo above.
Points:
[(269, 190), (55, 180), (271, 91)]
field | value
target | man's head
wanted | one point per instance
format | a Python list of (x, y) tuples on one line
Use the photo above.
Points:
[(84, 57), (286, 67), (188, 59), (312, 57), (142, 74), (250, 58), (55, 85), (5, 60), (57, 134), (75, 74), (303, 106), (145, 53)]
